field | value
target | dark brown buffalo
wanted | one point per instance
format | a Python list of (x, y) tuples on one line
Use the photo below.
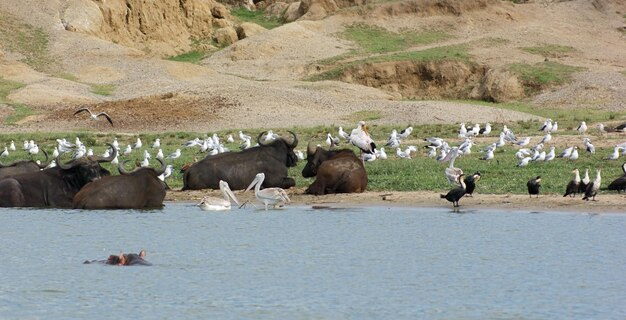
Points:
[(239, 168), (137, 189), (21, 166), (336, 171), (54, 187)]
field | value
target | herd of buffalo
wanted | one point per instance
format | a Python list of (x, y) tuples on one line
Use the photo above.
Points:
[(83, 184)]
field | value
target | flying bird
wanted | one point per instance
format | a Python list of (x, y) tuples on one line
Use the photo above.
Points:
[(96, 115)]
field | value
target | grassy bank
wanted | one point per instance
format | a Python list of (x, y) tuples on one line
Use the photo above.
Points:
[(500, 176)]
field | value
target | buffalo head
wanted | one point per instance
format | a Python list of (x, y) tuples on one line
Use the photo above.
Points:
[(292, 159), (87, 169), (314, 157)]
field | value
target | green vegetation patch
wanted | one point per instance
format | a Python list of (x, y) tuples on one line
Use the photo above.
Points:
[(455, 52), (374, 39), (258, 17), (26, 40), (20, 112), (194, 56), (543, 74), (102, 89), (550, 50), (6, 86)]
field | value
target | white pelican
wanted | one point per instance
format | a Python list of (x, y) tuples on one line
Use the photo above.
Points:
[(95, 116), (174, 155), (156, 144), (582, 127), (360, 138), (452, 173), (273, 196), (219, 204)]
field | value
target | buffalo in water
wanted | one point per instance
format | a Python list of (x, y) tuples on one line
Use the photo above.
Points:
[(335, 171), (239, 168), (22, 166), (137, 189), (54, 187)]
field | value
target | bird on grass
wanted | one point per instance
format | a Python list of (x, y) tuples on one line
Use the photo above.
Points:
[(593, 187), (94, 116), (456, 193), (573, 186), (533, 186)]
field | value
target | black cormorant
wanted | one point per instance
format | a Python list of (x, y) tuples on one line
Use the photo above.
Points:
[(457, 193), (619, 184), (533, 186), (573, 186), (470, 184), (593, 187)]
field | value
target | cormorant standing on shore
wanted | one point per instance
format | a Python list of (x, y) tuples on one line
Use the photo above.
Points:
[(573, 186), (593, 187), (619, 184), (470, 184), (457, 193), (584, 182), (533, 186)]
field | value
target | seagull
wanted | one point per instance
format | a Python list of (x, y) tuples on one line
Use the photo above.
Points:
[(489, 155), (116, 144), (432, 152), (486, 130), (12, 146), (343, 134), (174, 155), (547, 125), (402, 154), (524, 162), (95, 116), (157, 143), (567, 152), (128, 150), (55, 153), (555, 126), (551, 155), (574, 154), (369, 156), (462, 130), (4, 153), (243, 136), (590, 147), (137, 144), (219, 204), (299, 154), (546, 138), (159, 154), (246, 144), (615, 154), (382, 154), (270, 136), (145, 162), (582, 128), (230, 138), (332, 141), (146, 154), (523, 142), (405, 133), (273, 196)]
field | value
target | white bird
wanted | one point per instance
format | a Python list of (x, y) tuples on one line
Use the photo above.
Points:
[(489, 155), (115, 160), (589, 146), (274, 196), (524, 162), (55, 152), (462, 130), (343, 134), (106, 153), (89, 152), (168, 171), (501, 142), (12, 146), (522, 153), (551, 155), (230, 139), (567, 152), (137, 144), (369, 156), (435, 142), (574, 154), (5, 153), (219, 204), (582, 128), (332, 141), (34, 150), (270, 136), (146, 154), (486, 130), (246, 144), (96, 115), (26, 146), (244, 136), (524, 142), (555, 127), (382, 154), (159, 154), (174, 155), (393, 137), (405, 133), (475, 130), (615, 154), (361, 139), (128, 150), (299, 154), (547, 125), (193, 143), (116, 144), (402, 154), (156, 144), (452, 173), (145, 162), (546, 138), (432, 152)]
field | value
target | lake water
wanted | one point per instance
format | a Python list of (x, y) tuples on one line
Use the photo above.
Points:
[(304, 263)]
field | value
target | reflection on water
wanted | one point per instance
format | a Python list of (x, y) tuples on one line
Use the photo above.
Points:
[(305, 262)]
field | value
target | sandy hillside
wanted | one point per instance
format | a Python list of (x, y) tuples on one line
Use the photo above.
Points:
[(256, 82)]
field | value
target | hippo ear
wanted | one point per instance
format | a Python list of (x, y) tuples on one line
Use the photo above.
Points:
[(122, 258), (142, 253)]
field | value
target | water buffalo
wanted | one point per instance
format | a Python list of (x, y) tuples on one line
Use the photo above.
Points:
[(140, 188), (21, 166), (336, 171), (239, 168), (54, 187)]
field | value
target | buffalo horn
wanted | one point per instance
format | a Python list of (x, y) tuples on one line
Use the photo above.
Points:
[(258, 139), (61, 165), (120, 168), (294, 143), (45, 163), (162, 170), (110, 157)]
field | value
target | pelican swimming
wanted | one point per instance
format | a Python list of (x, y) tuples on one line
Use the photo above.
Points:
[(96, 115), (274, 196), (219, 204)]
